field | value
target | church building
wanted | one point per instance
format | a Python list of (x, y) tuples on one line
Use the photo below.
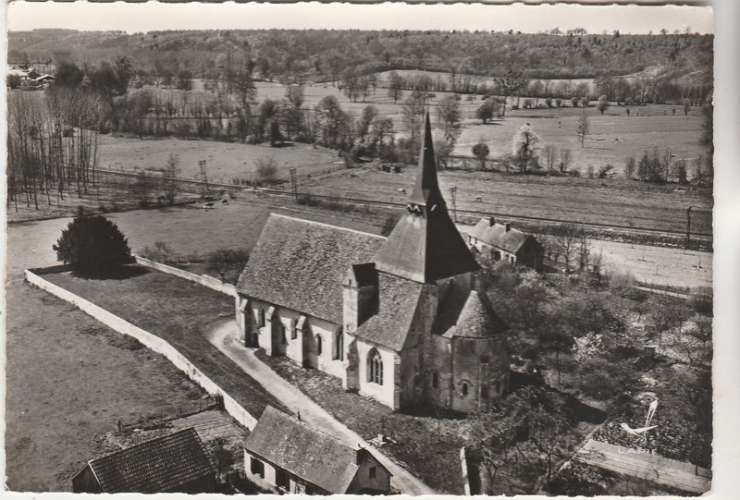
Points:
[(398, 319)]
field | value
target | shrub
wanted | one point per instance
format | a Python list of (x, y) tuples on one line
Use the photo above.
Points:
[(266, 170), (159, 252), (225, 262), (93, 246), (702, 303)]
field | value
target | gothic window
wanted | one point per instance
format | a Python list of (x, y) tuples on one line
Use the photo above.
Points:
[(374, 367), (339, 345), (435, 380), (372, 472), (319, 347), (261, 317), (293, 330), (464, 389)]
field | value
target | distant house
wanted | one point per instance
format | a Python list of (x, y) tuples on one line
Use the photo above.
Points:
[(503, 242), (176, 463), (287, 455)]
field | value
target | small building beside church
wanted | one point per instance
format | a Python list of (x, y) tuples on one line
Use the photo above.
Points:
[(502, 242), (284, 454), (399, 319)]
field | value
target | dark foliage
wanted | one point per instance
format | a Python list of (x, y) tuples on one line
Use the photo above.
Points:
[(93, 246)]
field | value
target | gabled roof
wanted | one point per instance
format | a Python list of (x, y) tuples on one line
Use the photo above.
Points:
[(300, 265), (308, 453), (496, 235), (159, 465), (398, 300), (425, 245)]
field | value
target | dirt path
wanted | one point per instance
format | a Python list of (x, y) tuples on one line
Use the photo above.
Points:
[(224, 337), (655, 468)]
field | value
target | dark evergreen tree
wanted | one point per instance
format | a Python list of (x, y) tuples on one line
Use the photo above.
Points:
[(93, 246)]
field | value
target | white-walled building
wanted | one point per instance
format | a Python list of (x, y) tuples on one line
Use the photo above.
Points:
[(285, 454)]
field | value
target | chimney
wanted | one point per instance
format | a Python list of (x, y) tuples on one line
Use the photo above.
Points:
[(491, 221), (508, 227)]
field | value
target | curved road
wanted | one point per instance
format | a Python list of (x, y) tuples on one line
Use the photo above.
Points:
[(225, 338)]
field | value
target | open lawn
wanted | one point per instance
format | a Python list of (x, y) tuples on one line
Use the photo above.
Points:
[(225, 161), (619, 202), (180, 312)]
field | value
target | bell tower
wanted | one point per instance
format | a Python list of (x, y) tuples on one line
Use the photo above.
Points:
[(425, 246)]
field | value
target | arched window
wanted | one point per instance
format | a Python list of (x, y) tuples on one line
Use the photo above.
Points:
[(374, 367), (435, 380), (318, 345), (464, 388), (339, 345)]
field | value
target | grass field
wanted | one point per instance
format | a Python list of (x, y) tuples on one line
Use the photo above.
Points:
[(69, 380), (225, 161), (613, 137), (180, 312), (618, 202)]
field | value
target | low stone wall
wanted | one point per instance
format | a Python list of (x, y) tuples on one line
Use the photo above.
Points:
[(149, 340), (201, 279)]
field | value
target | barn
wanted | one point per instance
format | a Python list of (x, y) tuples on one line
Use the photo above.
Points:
[(175, 463)]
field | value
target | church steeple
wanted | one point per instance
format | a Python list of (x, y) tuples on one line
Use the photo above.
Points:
[(425, 245), (426, 189)]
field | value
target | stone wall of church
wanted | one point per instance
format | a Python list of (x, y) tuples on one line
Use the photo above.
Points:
[(389, 392), (480, 372), (316, 343)]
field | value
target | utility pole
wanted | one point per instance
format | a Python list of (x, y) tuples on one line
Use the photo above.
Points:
[(203, 175), (294, 183), (453, 197), (688, 226)]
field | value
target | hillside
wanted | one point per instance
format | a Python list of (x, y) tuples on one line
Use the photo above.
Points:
[(324, 54)]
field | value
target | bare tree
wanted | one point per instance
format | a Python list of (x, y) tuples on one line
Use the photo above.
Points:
[(582, 127), (550, 154), (565, 159)]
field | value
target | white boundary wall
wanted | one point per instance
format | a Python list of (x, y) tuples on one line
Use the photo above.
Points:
[(151, 341), (201, 279)]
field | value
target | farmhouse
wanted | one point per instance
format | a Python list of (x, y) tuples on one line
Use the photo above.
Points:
[(285, 454), (398, 319), (503, 242), (175, 463)]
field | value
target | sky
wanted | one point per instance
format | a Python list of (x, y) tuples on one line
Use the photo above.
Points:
[(156, 16)]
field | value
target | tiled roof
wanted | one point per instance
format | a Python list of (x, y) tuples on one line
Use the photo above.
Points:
[(300, 265), (398, 299), (303, 451), (477, 318), (496, 235), (160, 465)]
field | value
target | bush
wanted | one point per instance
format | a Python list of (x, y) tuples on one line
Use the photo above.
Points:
[(266, 170), (159, 252), (702, 303), (93, 246)]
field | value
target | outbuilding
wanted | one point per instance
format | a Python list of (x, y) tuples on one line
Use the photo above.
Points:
[(286, 455), (175, 463)]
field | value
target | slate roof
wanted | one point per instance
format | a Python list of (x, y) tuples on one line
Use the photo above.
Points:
[(159, 465), (398, 300), (300, 264), (425, 245), (496, 235), (476, 319), (303, 451)]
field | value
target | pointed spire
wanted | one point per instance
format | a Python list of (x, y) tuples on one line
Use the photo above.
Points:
[(426, 189)]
